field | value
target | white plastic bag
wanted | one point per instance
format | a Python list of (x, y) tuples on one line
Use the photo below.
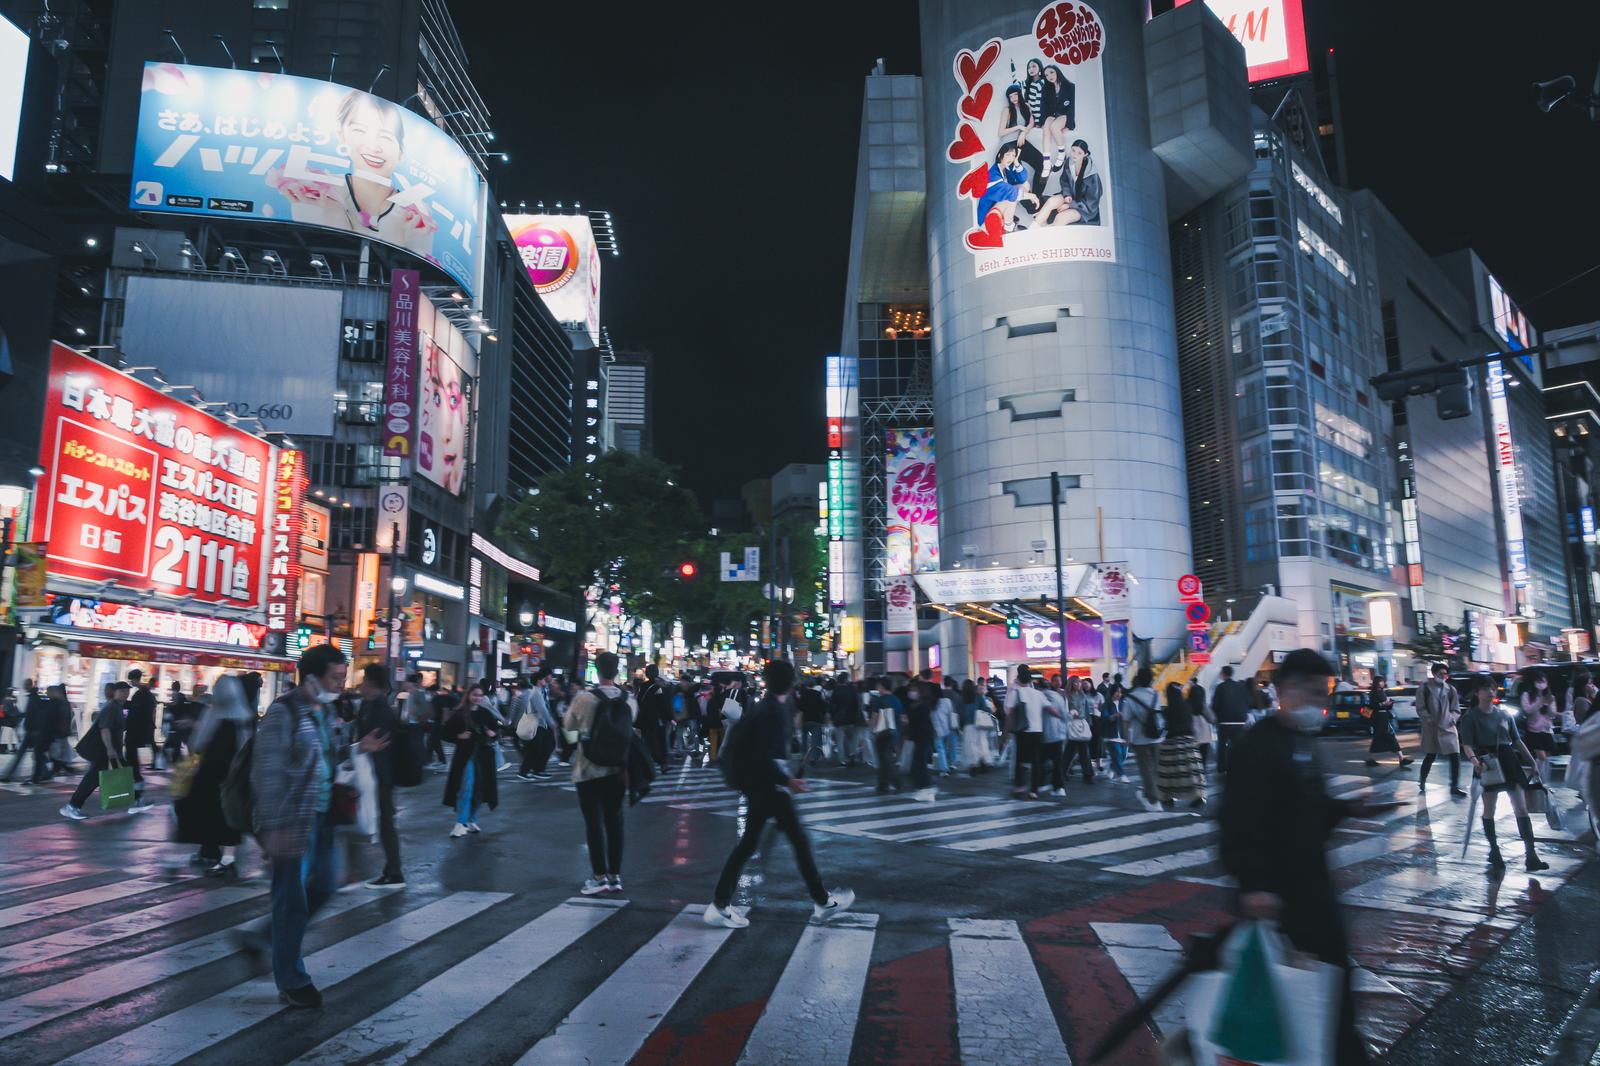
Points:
[(1306, 994), (361, 777)]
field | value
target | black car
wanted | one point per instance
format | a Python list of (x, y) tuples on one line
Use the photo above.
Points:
[(1347, 712)]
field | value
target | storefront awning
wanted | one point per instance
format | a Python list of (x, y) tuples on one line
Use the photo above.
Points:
[(145, 649)]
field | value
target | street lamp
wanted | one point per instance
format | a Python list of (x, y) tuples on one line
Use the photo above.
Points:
[(397, 585)]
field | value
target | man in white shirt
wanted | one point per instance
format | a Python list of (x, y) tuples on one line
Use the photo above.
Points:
[(1025, 718)]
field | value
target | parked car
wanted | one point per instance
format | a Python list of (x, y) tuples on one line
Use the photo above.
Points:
[(1405, 707), (1346, 712)]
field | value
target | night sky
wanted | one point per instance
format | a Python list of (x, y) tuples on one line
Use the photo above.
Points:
[(724, 144)]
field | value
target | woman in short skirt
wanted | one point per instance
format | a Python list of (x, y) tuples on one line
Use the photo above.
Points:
[(1490, 736), (1178, 766)]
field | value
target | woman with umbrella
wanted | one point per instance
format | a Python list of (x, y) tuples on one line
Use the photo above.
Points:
[(1490, 739)]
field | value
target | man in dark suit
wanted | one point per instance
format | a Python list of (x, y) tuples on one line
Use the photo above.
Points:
[(1276, 819), (1230, 703)]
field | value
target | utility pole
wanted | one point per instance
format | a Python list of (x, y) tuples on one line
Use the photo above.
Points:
[(1061, 590), (788, 583), (772, 591), (392, 638)]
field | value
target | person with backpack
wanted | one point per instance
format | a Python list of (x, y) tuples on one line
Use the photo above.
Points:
[(603, 719), (471, 784), (289, 766), (1141, 713), (1025, 708), (756, 764), (539, 725)]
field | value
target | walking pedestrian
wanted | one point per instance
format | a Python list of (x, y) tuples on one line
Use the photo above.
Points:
[(10, 720), (600, 788), (536, 753), (919, 719), (759, 769), (1054, 737), (1080, 728), (1494, 744), (1385, 735), (1142, 719), (1438, 711), (1538, 705), (887, 714), (1275, 821), (61, 718), (813, 722), (849, 718), (291, 773), (1113, 735), (1205, 732), (377, 716), (1181, 775), (175, 723), (973, 710), (471, 784), (224, 727), (139, 731), (102, 747), (37, 730), (1232, 704), (946, 727), (655, 715), (1025, 712)]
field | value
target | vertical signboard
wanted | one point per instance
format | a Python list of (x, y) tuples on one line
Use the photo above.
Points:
[(1505, 467), (400, 372), (912, 476), (444, 410), (145, 492), (900, 600), (1030, 139), (283, 551), (842, 380)]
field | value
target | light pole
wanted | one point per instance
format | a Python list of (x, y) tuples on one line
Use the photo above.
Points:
[(1061, 587), (397, 587)]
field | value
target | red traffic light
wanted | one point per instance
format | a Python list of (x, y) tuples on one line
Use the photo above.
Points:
[(688, 570)]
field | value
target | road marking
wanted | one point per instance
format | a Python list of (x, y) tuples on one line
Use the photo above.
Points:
[(810, 1018), (407, 1026), (1114, 844), (1034, 818), (1002, 1014), (1052, 833), (176, 1036), (1370, 848), (1146, 955), (615, 1020), (123, 926), (46, 908), (1181, 860), (804, 803), (45, 1004), (944, 812)]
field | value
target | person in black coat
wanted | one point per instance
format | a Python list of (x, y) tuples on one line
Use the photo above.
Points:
[(377, 714), (655, 714), (473, 728), (140, 728), (1275, 821), (222, 730)]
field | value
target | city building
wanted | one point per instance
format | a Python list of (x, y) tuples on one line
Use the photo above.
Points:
[(630, 406)]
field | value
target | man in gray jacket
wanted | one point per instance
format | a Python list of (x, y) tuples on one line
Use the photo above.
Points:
[(291, 774), (1438, 710)]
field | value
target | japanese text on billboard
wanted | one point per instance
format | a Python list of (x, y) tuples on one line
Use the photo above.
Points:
[(400, 372), (912, 534)]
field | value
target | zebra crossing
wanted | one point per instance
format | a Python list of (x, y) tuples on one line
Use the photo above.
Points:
[(414, 977)]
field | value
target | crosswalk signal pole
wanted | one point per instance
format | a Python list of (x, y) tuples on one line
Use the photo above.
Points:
[(1061, 589)]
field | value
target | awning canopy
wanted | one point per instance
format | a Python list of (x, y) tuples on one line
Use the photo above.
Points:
[(98, 645)]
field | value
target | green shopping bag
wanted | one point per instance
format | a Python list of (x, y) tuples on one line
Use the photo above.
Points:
[(116, 788), (1249, 1025)]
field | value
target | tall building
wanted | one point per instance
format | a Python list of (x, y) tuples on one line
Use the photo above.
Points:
[(630, 406)]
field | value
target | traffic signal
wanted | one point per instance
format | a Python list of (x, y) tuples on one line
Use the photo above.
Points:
[(687, 570), (1013, 626)]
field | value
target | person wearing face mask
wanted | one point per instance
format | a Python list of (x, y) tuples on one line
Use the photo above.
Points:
[(1491, 740), (1275, 821), (1538, 721)]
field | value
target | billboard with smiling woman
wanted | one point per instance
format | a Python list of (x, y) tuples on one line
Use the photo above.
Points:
[(273, 147)]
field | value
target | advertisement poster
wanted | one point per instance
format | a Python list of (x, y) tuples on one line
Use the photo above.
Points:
[(283, 547), (273, 147), (900, 604), (442, 420), (1273, 33), (400, 369), (148, 493), (1030, 137), (912, 475), (563, 263)]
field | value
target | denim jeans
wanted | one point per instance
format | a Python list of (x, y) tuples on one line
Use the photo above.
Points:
[(299, 888), (944, 752), (1116, 750), (466, 802)]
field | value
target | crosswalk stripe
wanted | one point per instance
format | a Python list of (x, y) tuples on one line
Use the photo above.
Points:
[(409, 1025), (45, 1004), (810, 1018), (1181, 860), (45, 908), (1033, 818), (134, 923), (805, 802), (1370, 848), (1146, 955), (1105, 847), (175, 1036), (1053, 832), (944, 813), (1002, 1014), (614, 1021)]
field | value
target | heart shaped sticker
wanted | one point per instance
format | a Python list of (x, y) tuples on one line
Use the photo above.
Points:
[(974, 183), (975, 105), (966, 145), (992, 235), (970, 68)]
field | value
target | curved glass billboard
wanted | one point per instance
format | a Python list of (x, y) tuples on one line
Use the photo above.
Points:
[(277, 148)]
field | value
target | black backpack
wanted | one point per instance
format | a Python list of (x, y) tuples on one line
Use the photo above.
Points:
[(1150, 723), (611, 733)]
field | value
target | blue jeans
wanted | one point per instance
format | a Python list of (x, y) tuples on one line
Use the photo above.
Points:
[(466, 802), (299, 887), (944, 752), (1117, 751)]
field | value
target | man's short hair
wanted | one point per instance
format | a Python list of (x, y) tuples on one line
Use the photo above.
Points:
[(1299, 665), (1439, 666), (540, 674), (315, 661), (414, 677), (606, 664), (779, 675), (377, 675), (135, 675), (1227, 671), (652, 671), (1023, 674), (123, 686)]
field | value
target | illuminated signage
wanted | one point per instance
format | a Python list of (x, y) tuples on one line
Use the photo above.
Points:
[(1313, 190), (439, 587), (911, 541), (147, 493), (283, 551), (500, 558), (1505, 466), (400, 373), (166, 625), (1273, 33), (1510, 325), (563, 262), (1311, 241), (1586, 515), (13, 78), (556, 622)]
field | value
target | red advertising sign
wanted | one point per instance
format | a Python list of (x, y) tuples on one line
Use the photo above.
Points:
[(1273, 33), (400, 374), (147, 492), (283, 550)]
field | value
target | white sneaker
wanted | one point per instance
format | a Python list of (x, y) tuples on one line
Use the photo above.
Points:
[(473, 827), (69, 811), (926, 795), (1059, 792), (614, 883), (1123, 779), (725, 917), (839, 901), (594, 886), (140, 805), (458, 830)]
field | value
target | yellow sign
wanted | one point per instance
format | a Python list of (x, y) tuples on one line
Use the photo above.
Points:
[(850, 634), (28, 575)]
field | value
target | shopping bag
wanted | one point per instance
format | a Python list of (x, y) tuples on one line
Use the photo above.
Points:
[(366, 781), (183, 775), (344, 798), (116, 788), (1553, 816), (1261, 1010), (1536, 798)]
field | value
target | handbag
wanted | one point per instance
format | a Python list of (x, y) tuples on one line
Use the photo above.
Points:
[(183, 776), (1553, 816), (344, 798), (1536, 797), (116, 788), (1078, 729), (1493, 774)]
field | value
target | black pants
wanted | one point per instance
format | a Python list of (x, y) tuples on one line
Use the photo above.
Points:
[(1078, 749), (888, 760), (536, 752), (436, 741), (921, 752), (1029, 752), (388, 836), (1227, 733), (130, 755), (601, 803), (90, 782), (1455, 767), (1054, 753), (777, 806)]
